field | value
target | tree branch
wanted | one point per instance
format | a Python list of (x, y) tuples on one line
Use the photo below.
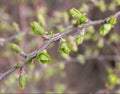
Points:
[(56, 37)]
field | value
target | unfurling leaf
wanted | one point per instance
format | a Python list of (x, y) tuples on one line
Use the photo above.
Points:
[(37, 28), (112, 21), (104, 29), (79, 39), (15, 48), (75, 13), (78, 17), (43, 57), (81, 20), (64, 47), (22, 80)]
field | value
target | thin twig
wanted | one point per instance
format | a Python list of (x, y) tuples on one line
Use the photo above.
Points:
[(3, 40)]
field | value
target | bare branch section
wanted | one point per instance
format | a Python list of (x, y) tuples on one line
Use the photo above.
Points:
[(55, 38), (3, 40)]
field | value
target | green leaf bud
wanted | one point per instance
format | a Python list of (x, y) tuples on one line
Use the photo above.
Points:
[(75, 13), (22, 80), (112, 21), (37, 28), (79, 39), (43, 57), (78, 17), (104, 29), (64, 47), (19, 64), (81, 20), (15, 48)]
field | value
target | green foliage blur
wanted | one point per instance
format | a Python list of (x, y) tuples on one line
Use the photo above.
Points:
[(86, 62)]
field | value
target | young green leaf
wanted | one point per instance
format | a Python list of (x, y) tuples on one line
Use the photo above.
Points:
[(78, 17), (37, 28), (22, 80), (79, 39), (112, 21), (104, 29), (81, 20), (43, 57), (75, 13), (64, 47), (15, 48)]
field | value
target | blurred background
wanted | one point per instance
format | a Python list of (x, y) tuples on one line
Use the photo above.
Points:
[(94, 67)]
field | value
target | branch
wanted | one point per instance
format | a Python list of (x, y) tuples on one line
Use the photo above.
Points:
[(56, 37), (3, 40)]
